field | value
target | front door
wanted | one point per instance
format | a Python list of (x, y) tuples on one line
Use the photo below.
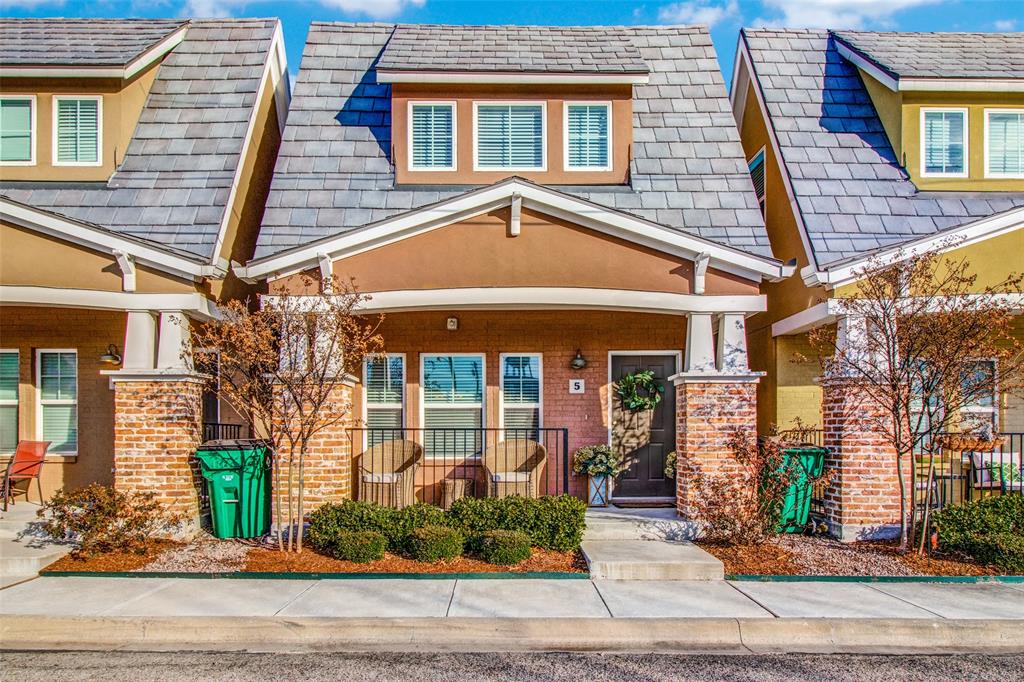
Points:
[(646, 437)]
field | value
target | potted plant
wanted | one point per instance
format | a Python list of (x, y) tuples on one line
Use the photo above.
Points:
[(601, 464)]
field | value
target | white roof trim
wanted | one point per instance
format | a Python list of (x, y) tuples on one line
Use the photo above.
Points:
[(195, 304), (400, 76), (101, 240), (805, 320), (550, 298), (140, 63), (868, 66), (966, 235), (542, 199)]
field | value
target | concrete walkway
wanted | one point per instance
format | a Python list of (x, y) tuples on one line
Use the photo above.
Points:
[(24, 548)]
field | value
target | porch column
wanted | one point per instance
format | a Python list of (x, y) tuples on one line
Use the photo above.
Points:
[(716, 395), (158, 416)]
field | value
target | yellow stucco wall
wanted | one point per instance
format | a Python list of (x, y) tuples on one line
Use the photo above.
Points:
[(889, 106)]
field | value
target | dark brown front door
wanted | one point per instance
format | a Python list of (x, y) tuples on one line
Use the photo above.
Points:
[(645, 438)]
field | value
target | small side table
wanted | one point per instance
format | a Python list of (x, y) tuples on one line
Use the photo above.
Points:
[(454, 489)]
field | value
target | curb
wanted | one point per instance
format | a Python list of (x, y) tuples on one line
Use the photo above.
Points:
[(252, 575), (473, 635)]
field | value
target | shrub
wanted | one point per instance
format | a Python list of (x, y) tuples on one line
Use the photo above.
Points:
[(351, 515), (504, 547), (551, 522), (362, 547), (435, 543), (103, 519), (410, 518), (990, 530)]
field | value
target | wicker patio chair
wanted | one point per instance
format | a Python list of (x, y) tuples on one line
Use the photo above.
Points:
[(387, 473), (514, 467)]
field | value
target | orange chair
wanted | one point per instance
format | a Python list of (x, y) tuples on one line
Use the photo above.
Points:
[(25, 465)]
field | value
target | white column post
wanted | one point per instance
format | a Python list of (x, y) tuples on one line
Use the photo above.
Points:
[(732, 344), (140, 340), (175, 347), (700, 344)]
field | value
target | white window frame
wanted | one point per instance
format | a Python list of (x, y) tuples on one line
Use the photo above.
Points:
[(17, 398), (967, 142), (543, 104), (455, 136), (565, 135), (33, 133), (1000, 176), (386, 406), (763, 201), (99, 130), (39, 396), (994, 410), (539, 406), (453, 406)]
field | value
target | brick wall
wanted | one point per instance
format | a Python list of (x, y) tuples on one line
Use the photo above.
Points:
[(864, 498), (707, 416), (156, 432)]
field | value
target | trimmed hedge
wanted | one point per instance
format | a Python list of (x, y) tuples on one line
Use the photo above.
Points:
[(991, 530), (360, 546), (504, 547), (553, 522), (435, 543), (351, 515)]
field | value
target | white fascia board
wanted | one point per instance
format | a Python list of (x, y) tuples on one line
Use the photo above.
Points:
[(499, 77), (545, 298), (273, 66), (979, 231), (805, 320), (961, 85), (867, 66), (739, 84), (140, 63), (84, 235), (194, 304), (533, 196)]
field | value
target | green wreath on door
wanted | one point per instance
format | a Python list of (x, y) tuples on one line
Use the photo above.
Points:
[(639, 392)]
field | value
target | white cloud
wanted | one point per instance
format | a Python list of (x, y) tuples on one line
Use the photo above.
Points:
[(27, 4), (375, 9), (211, 9), (1005, 24), (698, 12), (834, 13)]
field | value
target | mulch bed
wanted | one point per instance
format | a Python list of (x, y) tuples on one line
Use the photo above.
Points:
[(309, 561), (113, 562), (802, 555)]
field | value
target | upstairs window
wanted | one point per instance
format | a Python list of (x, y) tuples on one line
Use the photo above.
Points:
[(431, 136), (510, 136), (588, 137), (756, 167), (944, 143), (17, 130), (76, 131), (384, 382), (1004, 144)]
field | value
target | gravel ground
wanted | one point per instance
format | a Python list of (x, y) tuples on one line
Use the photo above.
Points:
[(172, 667), (826, 556), (204, 554)]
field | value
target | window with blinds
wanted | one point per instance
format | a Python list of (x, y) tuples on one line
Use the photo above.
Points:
[(384, 382), (983, 409), (431, 136), (16, 142), (510, 136), (453, 404), (8, 401), (76, 130), (1004, 143), (521, 391), (588, 137), (57, 389), (756, 167), (944, 142)]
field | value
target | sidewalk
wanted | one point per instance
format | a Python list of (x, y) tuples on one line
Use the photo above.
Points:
[(488, 615)]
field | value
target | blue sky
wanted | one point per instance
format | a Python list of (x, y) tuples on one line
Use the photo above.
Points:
[(725, 17)]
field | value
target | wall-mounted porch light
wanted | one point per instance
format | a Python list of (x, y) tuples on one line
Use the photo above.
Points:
[(578, 362), (111, 357)]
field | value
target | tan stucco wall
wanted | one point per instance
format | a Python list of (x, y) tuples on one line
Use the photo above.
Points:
[(121, 108), (555, 96)]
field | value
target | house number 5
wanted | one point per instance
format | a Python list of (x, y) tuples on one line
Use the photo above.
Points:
[(577, 386)]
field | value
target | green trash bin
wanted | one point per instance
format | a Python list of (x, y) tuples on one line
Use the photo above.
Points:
[(796, 508), (237, 474)]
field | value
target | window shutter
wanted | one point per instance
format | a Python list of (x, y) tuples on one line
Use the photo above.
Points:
[(15, 130), (1006, 143), (77, 130), (432, 133), (588, 135), (510, 136)]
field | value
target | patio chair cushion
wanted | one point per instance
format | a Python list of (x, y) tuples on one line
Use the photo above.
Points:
[(380, 478), (511, 476), (989, 468)]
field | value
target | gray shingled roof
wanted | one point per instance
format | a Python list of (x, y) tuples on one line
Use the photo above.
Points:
[(79, 42), (173, 185), (334, 174), (940, 55), (564, 49), (852, 193)]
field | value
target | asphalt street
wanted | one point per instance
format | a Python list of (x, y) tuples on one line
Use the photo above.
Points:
[(146, 667)]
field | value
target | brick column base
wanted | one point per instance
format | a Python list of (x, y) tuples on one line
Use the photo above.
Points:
[(708, 413), (863, 501), (157, 428)]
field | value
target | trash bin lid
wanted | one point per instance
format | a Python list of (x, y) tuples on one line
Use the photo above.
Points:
[(232, 454)]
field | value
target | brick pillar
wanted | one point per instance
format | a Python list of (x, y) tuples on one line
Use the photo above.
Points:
[(863, 501), (708, 413), (328, 462), (157, 427)]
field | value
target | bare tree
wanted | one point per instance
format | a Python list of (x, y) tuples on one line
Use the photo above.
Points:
[(282, 366), (921, 341)]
